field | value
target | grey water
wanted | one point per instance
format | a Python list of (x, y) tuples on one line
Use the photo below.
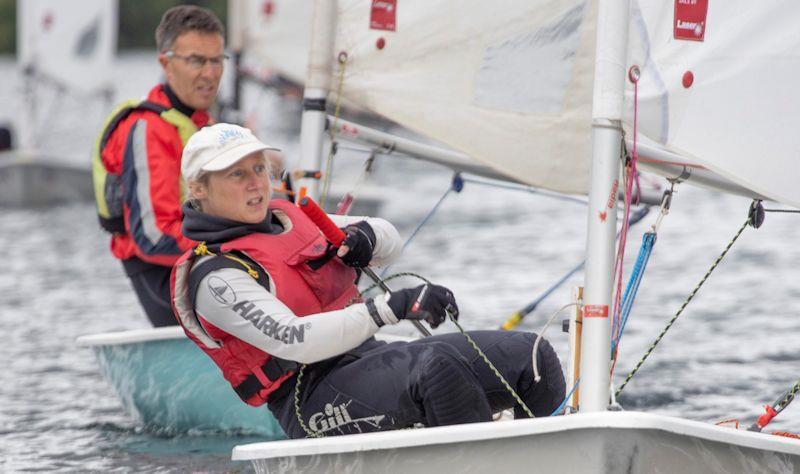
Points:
[(733, 350)]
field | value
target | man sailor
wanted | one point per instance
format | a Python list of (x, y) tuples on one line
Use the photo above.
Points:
[(138, 183)]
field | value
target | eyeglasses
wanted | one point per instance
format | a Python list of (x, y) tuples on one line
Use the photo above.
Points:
[(196, 61)]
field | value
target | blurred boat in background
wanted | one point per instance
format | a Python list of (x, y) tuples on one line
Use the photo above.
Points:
[(62, 50)]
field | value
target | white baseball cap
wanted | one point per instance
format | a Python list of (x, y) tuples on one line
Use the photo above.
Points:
[(217, 147)]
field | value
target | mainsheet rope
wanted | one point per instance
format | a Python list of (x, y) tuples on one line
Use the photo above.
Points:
[(472, 343)]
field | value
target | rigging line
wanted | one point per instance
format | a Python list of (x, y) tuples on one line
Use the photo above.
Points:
[(474, 346), (630, 171), (344, 205), (456, 185), (787, 397), (528, 189), (629, 297), (772, 410), (648, 239), (566, 399), (516, 318), (788, 211), (683, 306), (426, 219), (630, 176), (540, 336), (620, 255), (332, 149), (358, 149), (493, 368), (388, 279)]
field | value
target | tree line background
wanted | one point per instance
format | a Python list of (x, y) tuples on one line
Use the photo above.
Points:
[(137, 21)]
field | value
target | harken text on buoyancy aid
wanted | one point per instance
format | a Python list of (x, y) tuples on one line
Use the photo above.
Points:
[(108, 186), (303, 278)]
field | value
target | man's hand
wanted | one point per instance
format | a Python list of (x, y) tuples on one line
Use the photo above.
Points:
[(356, 249), (428, 302)]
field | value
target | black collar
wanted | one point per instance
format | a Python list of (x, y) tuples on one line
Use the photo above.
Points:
[(176, 103), (202, 227)]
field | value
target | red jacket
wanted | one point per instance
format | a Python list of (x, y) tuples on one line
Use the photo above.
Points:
[(146, 151), (304, 290)]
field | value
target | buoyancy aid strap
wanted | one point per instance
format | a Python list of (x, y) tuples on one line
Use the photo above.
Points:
[(217, 262), (107, 187), (272, 369), (186, 128), (123, 111), (184, 309)]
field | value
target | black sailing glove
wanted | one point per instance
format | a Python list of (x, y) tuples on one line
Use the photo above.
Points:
[(428, 302), (356, 249)]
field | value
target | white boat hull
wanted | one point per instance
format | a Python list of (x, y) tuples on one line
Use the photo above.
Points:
[(606, 442)]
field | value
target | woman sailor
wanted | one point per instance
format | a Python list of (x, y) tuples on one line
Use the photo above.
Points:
[(263, 294)]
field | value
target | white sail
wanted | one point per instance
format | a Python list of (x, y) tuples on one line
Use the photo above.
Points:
[(433, 67), (274, 34), (506, 82), (70, 43), (719, 88), (510, 83)]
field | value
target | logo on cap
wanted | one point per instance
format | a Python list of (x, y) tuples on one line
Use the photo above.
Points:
[(226, 136)]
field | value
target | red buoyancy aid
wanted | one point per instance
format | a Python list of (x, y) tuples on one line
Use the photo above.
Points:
[(305, 289)]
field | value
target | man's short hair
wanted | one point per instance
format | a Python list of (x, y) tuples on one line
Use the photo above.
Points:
[(183, 19)]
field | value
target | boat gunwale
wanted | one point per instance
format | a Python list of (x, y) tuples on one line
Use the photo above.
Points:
[(135, 336), (131, 337), (500, 430)]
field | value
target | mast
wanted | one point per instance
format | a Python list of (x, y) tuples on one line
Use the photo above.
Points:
[(607, 104), (237, 25), (318, 81), (27, 45)]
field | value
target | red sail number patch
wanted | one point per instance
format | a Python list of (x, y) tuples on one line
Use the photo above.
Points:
[(690, 19), (383, 15)]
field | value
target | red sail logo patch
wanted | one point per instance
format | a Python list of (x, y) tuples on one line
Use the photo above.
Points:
[(383, 15), (690, 19)]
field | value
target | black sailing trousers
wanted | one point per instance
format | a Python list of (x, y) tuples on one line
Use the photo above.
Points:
[(439, 380)]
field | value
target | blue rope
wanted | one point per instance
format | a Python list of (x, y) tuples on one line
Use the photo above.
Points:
[(457, 185), (634, 219), (426, 219), (533, 304), (648, 240), (564, 403)]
